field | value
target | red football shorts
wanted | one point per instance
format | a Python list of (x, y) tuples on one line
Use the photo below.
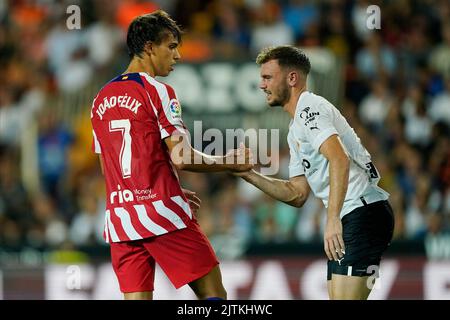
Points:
[(184, 255)]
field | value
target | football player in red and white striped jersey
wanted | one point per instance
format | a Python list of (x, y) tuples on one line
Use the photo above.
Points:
[(142, 141)]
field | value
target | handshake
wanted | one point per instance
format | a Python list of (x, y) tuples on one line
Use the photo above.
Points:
[(239, 161)]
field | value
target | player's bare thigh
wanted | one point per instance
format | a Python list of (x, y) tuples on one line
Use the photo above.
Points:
[(342, 287)]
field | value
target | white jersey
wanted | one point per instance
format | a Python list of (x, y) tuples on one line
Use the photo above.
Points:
[(315, 120)]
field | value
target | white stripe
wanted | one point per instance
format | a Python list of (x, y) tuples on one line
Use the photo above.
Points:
[(148, 223), (183, 204), (153, 106), (93, 105), (160, 88), (163, 132), (106, 229), (168, 214), (349, 271), (154, 110), (164, 96), (112, 230), (97, 148), (126, 224)]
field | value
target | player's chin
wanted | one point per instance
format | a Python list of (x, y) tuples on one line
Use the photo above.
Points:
[(273, 103), (167, 71)]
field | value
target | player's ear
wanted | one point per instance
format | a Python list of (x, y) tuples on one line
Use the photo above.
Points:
[(293, 78), (148, 48)]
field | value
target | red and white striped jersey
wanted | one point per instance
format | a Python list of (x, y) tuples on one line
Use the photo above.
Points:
[(131, 115)]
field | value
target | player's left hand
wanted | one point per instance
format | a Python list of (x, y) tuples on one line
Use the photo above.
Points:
[(194, 201), (333, 240)]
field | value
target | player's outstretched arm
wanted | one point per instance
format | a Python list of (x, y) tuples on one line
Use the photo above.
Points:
[(294, 191), (184, 157)]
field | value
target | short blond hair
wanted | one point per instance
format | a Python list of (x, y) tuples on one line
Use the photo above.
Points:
[(287, 56)]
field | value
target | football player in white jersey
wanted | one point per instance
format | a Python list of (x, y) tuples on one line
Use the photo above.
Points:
[(327, 157)]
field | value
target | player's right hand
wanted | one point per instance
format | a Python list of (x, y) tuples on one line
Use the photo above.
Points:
[(240, 160), (333, 242)]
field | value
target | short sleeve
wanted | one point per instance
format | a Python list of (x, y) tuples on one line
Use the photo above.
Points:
[(166, 106), (317, 122), (295, 163), (170, 118), (95, 144)]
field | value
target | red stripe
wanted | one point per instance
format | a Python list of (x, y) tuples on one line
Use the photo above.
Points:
[(137, 225), (117, 223), (178, 211), (170, 92), (157, 101), (152, 214)]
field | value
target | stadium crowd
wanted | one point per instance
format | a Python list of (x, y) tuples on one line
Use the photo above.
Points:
[(397, 98)]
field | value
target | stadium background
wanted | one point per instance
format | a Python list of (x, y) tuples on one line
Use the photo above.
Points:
[(392, 84)]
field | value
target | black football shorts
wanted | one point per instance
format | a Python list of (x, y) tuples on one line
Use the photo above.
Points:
[(367, 232)]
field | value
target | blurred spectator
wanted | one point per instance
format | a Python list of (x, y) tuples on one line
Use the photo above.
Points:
[(359, 19), (417, 211), (375, 107), (233, 225), (418, 126), (76, 73), (336, 31), (127, 10), (275, 221), (230, 30), (81, 164), (398, 207), (299, 15), (15, 211), (269, 29), (104, 37), (409, 164), (20, 100), (440, 105), (53, 143), (87, 225), (197, 45), (376, 59), (440, 55), (61, 44), (415, 48), (52, 228), (309, 225)]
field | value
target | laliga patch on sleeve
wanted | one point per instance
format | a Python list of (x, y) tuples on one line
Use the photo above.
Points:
[(175, 108)]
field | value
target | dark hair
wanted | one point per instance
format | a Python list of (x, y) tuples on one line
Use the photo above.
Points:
[(287, 56), (153, 27)]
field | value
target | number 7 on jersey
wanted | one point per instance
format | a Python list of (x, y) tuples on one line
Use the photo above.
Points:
[(124, 127)]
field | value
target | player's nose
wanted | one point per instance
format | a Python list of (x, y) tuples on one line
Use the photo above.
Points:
[(177, 55), (262, 85)]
